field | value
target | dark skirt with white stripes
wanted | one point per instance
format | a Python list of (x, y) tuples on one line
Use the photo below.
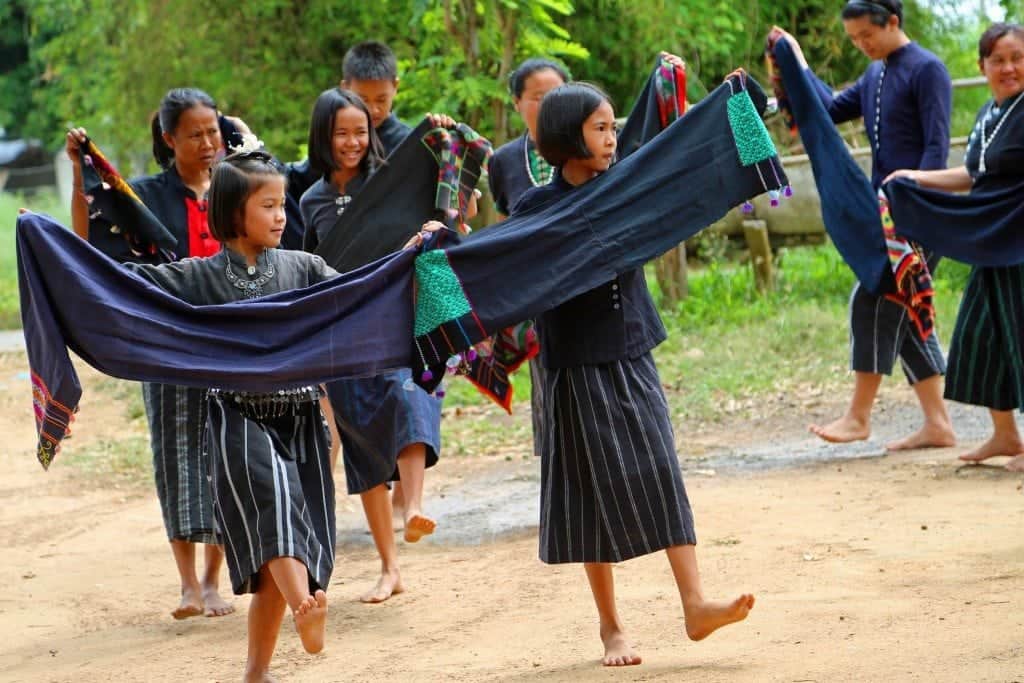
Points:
[(611, 488), (986, 355), (377, 418), (881, 332), (181, 466), (274, 491)]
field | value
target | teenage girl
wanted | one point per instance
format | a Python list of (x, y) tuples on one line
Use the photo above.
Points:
[(611, 487), (389, 428)]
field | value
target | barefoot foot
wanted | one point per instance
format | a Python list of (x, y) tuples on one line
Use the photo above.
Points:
[(617, 650), (931, 435), (843, 430), (258, 677), (214, 604), (389, 583), (191, 604), (311, 622), (417, 526), (1016, 465), (704, 619), (994, 447)]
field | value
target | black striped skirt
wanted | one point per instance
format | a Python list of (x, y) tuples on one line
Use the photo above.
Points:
[(379, 416), (611, 488), (986, 355), (274, 494), (181, 466)]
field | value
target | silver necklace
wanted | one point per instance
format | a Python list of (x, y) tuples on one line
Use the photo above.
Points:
[(251, 288), (993, 111)]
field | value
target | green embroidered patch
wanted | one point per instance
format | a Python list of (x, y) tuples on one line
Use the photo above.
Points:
[(752, 139), (439, 297)]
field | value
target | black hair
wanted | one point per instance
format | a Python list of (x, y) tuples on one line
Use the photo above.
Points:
[(878, 11), (321, 132), (993, 33), (517, 79), (560, 121), (175, 103), (233, 181), (369, 61)]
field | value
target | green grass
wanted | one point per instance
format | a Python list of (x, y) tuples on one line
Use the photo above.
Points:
[(45, 202)]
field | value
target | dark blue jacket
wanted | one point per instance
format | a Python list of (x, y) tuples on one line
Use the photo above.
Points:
[(615, 321)]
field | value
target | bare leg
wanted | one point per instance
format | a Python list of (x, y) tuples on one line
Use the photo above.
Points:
[(191, 593), (855, 425), (332, 425), (310, 611), (398, 503), (617, 650), (703, 617), (214, 605), (937, 430), (411, 465), (266, 612), (1005, 439), (377, 506)]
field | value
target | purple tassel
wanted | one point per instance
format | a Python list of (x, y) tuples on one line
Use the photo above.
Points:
[(471, 355), (787, 191), (747, 207), (427, 376), (439, 392)]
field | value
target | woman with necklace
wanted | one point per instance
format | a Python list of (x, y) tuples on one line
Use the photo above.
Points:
[(186, 143), (986, 358), (517, 166)]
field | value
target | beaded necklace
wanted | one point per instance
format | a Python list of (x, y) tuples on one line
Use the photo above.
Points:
[(878, 109), (539, 170), (992, 113)]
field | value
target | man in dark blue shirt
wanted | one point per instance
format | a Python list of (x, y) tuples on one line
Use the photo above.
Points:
[(905, 97)]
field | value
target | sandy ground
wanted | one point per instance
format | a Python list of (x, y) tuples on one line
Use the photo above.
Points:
[(897, 568)]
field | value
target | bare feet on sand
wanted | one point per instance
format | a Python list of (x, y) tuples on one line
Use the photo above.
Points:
[(258, 677), (617, 650), (994, 447), (214, 605), (1016, 464), (389, 583), (705, 618), (417, 526), (931, 435), (843, 430), (191, 604), (311, 622)]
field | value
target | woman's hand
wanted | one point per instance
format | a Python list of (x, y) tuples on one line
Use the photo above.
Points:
[(907, 173), (74, 140), (441, 120), (741, 73), (428, 227), (672, 59), (797, 50)]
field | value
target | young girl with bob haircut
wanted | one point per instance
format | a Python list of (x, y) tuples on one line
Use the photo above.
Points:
[(272, 483), (389, 428), (611, 487)]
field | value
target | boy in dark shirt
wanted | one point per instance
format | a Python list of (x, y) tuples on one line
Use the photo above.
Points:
[(905, 97), (370, 70)]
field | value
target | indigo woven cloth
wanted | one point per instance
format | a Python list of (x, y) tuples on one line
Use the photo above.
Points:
[(74, 298), (981, 228), (712, 159), (849, 204)]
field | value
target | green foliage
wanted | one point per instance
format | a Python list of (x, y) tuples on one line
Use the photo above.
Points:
[(10, 316)]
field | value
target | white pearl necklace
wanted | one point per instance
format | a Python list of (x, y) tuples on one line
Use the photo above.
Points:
[(986, 141)]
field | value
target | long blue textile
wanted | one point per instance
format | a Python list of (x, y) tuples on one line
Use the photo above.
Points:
[(707, 162), (982, 228), (361, 323), (849, 205), (73, 297)]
